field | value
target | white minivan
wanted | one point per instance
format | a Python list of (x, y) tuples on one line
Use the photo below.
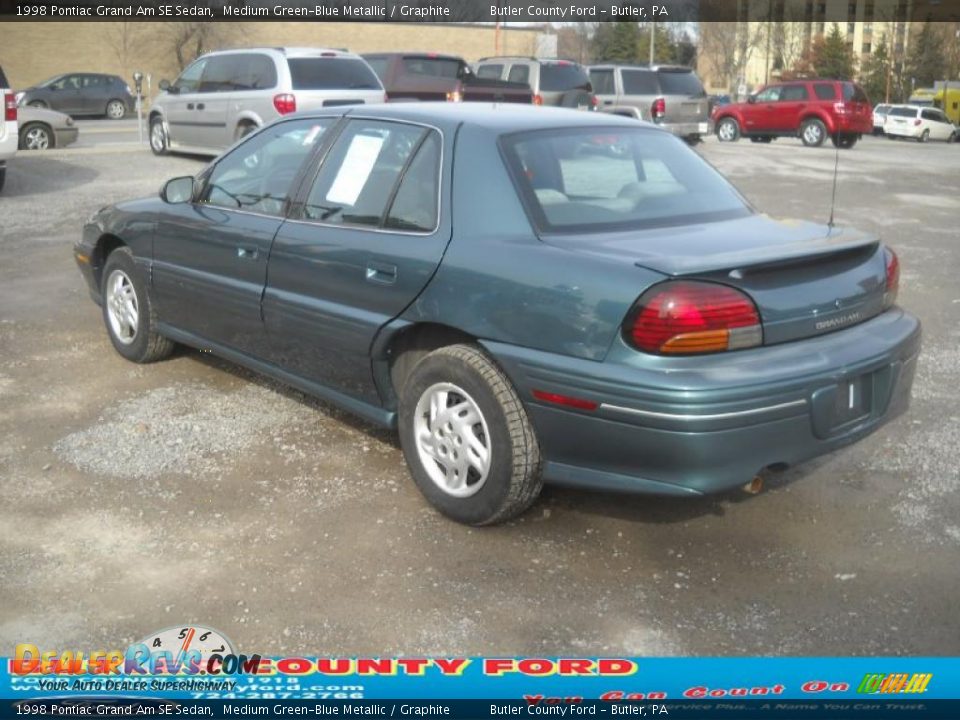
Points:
[(919, 123), (225, 95), (9, 133)]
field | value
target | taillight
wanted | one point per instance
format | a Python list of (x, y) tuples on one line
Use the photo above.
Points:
[(538, 99), (658, 109), (893, 277), (917, 121), (687, 317), (455, 95), (594, 102), (840, 108), (10, 107), (285, 103)]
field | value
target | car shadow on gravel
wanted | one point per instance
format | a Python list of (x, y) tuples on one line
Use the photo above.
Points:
[(35, 174)]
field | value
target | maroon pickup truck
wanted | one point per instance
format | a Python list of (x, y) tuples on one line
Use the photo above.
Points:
[(431, 76)]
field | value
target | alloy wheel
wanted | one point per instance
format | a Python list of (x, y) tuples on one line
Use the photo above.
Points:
[(36, 138), (453, 440), (115, 110), (123, 310), (811, 134)]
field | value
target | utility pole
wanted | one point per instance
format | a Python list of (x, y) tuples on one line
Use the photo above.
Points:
[(653, 39)]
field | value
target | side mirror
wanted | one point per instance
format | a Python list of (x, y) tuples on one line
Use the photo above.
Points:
[(177, 190), (165, 85), (751, 99)]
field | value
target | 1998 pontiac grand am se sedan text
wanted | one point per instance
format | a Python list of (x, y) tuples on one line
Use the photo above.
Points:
[(527, 293)]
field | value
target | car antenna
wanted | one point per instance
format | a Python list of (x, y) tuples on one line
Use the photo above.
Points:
[(836, 166)]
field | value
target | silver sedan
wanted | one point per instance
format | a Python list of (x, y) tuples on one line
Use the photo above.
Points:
[(42, 129)]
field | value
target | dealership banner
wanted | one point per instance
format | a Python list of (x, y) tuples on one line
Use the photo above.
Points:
[(139, 680)]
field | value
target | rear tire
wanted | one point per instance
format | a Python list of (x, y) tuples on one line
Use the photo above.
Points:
[(728, 130), (243, 129), (480, 464), (813, 132), (924, 136), (844, 141), (128, 311), (3, 176), (116, 110)]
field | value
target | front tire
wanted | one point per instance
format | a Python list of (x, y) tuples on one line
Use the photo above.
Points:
[(813, 132), (728, 130), (128, 311), (159, 143), (470, 446), (116, 110), (36, 137)]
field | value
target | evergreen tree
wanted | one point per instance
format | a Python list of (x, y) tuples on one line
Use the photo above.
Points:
[(832, 58), (616, 42), (926, 61), (873, 74), (665, 49)]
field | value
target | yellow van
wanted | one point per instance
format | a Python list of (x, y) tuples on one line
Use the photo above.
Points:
[(948, 100)]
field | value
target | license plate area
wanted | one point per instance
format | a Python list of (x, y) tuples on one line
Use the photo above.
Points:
[(851, 402)]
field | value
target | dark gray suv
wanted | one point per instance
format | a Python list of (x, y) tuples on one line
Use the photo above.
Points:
[(82, 94)]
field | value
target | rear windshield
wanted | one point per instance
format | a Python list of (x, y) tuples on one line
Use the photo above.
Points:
[(432, 67), (684, 82), (854, 92), (583, 180), (317, 73), (882, 108), (639, 82), (903, 112), (563, 76)]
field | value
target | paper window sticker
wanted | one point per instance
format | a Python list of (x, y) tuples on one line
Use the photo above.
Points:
[(355, 170)]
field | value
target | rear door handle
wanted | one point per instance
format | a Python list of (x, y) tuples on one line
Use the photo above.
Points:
[(200, 106), (247, 253), (189, 106), (383, 273)]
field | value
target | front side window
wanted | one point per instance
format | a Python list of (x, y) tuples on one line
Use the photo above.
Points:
[(258, 175), (189, 80), (771, 94), (587, 180), (67, 82), (379, 174)]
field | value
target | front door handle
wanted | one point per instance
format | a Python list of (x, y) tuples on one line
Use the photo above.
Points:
[(383, 273), (189, 106), (247, 253)]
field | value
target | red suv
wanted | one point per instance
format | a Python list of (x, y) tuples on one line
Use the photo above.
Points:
[(810, 109)]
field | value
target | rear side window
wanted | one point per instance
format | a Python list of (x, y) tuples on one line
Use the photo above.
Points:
[(684, 82), (379, 65), (490, 72), (563, 76), (584, 180), (415, 204), (853, 92), (320, 73), (794, 92), (824, 91), (519, 74), (639, 82), (906, 112), (602, 81), (255, 72)]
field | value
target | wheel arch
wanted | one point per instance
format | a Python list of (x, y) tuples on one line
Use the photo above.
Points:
[(822, 117), (397, 351), (106, 244)]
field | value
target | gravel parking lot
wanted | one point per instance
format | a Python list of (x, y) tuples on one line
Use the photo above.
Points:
[(138, 497)]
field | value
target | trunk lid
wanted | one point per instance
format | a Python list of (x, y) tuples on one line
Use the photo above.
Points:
[(806, 279)]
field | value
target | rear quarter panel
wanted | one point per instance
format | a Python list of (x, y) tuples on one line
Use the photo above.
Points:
[(499, 282)]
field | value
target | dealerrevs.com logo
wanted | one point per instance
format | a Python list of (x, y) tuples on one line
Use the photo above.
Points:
[(892, 683)]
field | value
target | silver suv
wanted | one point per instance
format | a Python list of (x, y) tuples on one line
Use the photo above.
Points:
[(555, 83), (670, 95), (226, 95)]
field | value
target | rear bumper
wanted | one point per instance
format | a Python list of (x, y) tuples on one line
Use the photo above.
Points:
[(686, 129), (700, 425), (905, 130), (862, 126)]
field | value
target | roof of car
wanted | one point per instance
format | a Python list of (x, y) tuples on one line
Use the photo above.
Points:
[(642, 66), (499, 118)]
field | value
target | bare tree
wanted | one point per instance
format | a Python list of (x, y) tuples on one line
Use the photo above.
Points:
[(125, 39), (727, 47), (186, 41)]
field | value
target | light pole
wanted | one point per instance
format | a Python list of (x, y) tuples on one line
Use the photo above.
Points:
[(653, 38)]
